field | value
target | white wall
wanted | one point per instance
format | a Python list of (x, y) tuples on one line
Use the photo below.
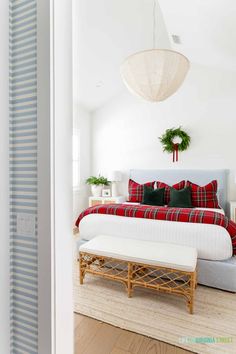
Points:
[(81, 119), (4, 199), (82, 122), (125, 131)]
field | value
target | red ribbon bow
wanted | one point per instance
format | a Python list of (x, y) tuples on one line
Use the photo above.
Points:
[(175, 152)]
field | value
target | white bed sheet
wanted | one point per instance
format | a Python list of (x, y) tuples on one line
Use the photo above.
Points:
[(212, 241)]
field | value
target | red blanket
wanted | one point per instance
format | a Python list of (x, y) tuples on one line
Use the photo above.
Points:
[(165, 213)]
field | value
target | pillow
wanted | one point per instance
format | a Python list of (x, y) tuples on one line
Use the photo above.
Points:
[(180, 198), (136, 190), (177, 186), (153, 196), (205, 196)]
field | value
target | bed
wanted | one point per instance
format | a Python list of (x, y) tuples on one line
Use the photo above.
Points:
[(216, 265)]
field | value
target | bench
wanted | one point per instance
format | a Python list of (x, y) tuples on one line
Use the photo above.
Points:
[(164, 267)]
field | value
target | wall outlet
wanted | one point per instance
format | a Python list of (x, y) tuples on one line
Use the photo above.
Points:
[(25, 224)]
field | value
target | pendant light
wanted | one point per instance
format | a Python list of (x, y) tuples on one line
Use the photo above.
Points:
[(154, 74)]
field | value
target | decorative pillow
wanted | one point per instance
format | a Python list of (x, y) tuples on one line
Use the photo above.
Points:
[(153, 196), (177, 186), (205, 196), (180, 198), (136, 190)]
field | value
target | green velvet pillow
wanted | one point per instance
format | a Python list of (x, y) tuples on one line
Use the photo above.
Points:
[(153, 196), (180, 198)]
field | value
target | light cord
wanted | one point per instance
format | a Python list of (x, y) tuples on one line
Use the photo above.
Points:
[(154, 24)]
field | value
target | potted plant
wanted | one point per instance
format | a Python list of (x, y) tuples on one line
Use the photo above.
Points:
[(97, 184)]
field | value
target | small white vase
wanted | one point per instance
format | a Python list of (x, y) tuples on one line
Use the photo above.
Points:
[(96, 190)]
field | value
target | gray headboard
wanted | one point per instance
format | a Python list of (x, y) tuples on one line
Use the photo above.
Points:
[(200, 177)]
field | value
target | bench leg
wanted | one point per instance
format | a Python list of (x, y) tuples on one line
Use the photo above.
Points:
[(190, 306), (129, 285), (195, 279), (81, 271), (192, 290)]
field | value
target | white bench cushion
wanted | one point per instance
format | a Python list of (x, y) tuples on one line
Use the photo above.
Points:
[(151, 253)]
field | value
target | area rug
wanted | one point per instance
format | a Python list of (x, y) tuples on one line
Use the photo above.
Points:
[(212, 328)]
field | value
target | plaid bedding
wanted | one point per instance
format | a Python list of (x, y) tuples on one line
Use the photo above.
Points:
[(136, 190), (205, 196), (165, 213)]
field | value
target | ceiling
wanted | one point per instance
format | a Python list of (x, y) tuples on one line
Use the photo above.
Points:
[(107, 31)]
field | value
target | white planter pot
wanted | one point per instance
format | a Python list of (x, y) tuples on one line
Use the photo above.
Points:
[(96, 190)]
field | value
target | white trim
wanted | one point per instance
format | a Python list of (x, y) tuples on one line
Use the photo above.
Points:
[(76, 133), (55, 177), (64, 328)]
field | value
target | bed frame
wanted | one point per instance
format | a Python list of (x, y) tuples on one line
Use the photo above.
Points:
[(217, 274)]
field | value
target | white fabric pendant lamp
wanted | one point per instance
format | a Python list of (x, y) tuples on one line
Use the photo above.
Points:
[(154, 74)]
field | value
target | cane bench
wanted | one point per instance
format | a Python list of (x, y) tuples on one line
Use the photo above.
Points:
[(164, 267)]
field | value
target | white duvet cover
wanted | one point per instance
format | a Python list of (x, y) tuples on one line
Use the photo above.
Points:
[(212, 241)]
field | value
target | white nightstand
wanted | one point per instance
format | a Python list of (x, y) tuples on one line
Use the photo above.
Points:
[(106, 200), (233, 211)]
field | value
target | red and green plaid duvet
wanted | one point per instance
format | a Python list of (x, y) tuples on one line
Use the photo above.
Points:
[(165, 213)]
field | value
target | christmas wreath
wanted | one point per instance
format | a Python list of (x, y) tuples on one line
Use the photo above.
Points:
[(174, 140)]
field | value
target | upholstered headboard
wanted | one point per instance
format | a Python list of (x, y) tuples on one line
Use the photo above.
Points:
[(200, 177)]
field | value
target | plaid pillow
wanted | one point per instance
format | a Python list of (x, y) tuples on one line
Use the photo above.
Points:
[(136, 190), (177, 186), (205, 196)]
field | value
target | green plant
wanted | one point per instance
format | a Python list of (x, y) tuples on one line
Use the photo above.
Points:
[(167, 139), (93, 180)]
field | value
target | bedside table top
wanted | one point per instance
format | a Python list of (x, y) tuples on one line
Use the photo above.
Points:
[(101, 198)]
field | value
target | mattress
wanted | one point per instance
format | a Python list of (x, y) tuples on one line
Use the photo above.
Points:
[(211, 241)]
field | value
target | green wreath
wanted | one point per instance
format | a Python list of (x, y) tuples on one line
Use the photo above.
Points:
[(167, 139)]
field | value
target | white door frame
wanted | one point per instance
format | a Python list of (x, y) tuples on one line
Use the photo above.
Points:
[(55, 177)]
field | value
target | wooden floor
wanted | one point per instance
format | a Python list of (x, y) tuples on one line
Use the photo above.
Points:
[(94, 337)]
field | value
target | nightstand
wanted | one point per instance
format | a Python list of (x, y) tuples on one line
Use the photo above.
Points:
[(106, 200), (233, 211)]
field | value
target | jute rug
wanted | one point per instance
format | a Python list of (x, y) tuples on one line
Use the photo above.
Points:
[(162, 316)]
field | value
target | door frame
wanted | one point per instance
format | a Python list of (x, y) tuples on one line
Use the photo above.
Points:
[(55, 261)]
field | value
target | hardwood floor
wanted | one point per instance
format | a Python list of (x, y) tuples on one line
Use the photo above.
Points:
[(94, 337)]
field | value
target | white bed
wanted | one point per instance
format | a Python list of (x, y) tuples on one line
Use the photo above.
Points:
[(213, 242)]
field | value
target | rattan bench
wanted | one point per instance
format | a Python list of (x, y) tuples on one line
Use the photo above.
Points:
[(165, 267)]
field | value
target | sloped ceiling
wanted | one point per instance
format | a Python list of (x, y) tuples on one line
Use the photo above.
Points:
[(107, 31), (207, 29)]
